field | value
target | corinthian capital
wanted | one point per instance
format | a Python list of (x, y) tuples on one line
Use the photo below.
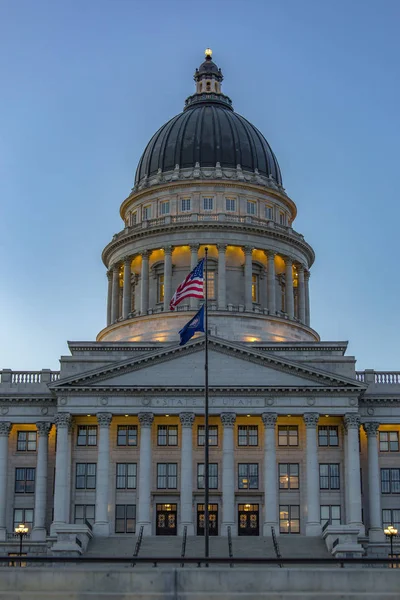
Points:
[(269, 419), (104, 419), (43, 428), (146, 419), (228, 419), (311, 419), (187, 419), (351, 421), (371, 428), (5, 428), (63, 420)]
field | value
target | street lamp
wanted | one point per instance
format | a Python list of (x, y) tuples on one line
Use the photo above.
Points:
[(391, 532), (22, 530)]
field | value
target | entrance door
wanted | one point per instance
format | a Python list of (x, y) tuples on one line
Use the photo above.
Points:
[(248, 519), (212, 519), (166, 519)]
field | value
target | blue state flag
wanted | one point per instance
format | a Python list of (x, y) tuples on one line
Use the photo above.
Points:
[(195, 324)]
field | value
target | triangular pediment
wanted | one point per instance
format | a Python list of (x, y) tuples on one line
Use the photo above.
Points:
[(230, 365)]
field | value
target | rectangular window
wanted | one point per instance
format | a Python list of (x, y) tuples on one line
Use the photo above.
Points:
[(85, 476), (330, 514), (125, 518), (251, 207), (254, 288), (268, 213), (328, 435), (25, 480), (248, 476), (391, 517), (164, 208), (146, 212), (134, 218), (26, 441), (167, 435), (230, 204), (247, 435), (208, 203), (185, 204), (282, 218), (127, 435), (126, 476), (167, 475), (389, 441), (212, 476), (84, 512), (25, 516), (289, 519), (288, 435), (212, 435), (288, 476), (211, 285), (87, 435), (160, 288), (329, 478), (390, 481)]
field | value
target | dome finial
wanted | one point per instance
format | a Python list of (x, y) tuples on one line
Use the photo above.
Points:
[(208, 53)]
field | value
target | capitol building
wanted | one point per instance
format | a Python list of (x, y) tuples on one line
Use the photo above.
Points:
[(113, 444)]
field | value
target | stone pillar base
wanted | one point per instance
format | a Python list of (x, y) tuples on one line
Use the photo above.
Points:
[(376, 534), (190, 528), (101, 529), (313, 529), (267, 532), (39, 534), (360, 527), (55, 526), (224, 529), (146, 528), (3, 534)]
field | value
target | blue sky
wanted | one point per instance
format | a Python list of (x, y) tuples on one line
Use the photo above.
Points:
[(86, 83)]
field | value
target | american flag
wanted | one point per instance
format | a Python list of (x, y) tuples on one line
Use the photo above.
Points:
[(192, 287)]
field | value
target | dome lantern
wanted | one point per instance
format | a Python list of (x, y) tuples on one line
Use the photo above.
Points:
[(208, 77)]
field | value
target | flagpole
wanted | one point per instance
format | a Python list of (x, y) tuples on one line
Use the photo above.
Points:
[(206, 428)]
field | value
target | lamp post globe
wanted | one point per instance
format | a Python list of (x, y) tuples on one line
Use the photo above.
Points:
[(391, 531), (21, 530)]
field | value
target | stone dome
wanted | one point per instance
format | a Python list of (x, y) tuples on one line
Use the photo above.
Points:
[(208, 132)]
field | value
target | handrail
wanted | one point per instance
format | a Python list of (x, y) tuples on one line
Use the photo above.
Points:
[(88, 524), (325, 525), (276, 545), (183, 551), (138, 544), (335, 543), (230, 550)]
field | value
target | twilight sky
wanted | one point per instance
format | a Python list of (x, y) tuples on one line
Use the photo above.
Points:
[(84, 85)]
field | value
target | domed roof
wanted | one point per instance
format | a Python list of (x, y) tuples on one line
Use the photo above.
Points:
[(208, 132)]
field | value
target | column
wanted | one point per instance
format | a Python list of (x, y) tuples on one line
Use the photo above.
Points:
[(313, 524), (115, 294), (228, 474), (61, 497), (271, 283), (109, 296), (302, 295), (39, 526), (167, 276), (145, 479), (221, 276), (187, 420), (194, 250), (248, 274), (307, 296), (5, 428), (101, 525), (144, 287), (289, 299), (270, 476), (375, 532), (127, 292), (352, 424)]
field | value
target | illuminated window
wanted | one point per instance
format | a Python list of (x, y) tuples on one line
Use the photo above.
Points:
[(127, 435), (268, 213), (208, 203), (160, 288), (288, 476), (211, 285), (288, 435), (254, 288), (26, 441), (185, 204), (230, 204), (289, 519), (248, 476), (164, 208), (330, 514), (147, 212), (251, 207)]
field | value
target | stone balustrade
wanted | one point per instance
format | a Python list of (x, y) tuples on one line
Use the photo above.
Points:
[(379, 377), (7, 376)]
